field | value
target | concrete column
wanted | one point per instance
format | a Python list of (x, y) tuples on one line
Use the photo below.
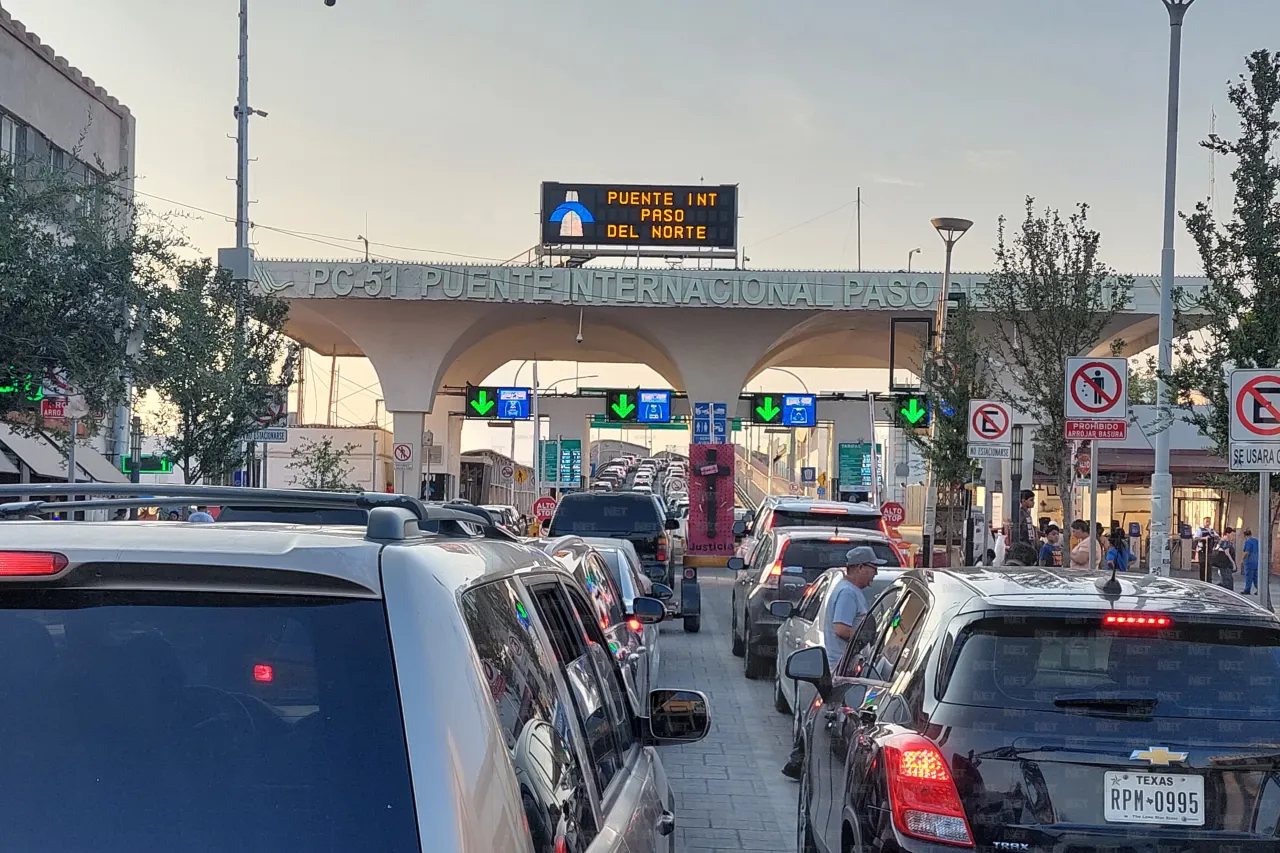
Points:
[(407, 428)]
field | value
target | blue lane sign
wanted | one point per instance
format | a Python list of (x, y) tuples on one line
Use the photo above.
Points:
[(513, 404), (702, 410), (799, 410), (654, 407), (822, 491), (808, 475), (720, 410)]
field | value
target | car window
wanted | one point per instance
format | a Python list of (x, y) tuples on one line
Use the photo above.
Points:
[(589, 699), (290, 515), (763, 560), (811, 604), (534, 719), (607, 515), (622, 571), (190, 722), (611, 682), (867, 634), (1196, 671), (895, 647), (605, 595), (815, 556), (819, 518)]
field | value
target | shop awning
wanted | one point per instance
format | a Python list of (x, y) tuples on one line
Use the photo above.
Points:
[(46, 460), (1142, 461)]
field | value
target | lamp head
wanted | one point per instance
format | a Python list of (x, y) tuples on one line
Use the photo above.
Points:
[(1177, 10), (951, 228)]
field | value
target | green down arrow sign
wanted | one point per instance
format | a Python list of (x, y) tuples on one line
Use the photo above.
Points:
[(482, 404), (767, 410), (914, 412), (622, 408)]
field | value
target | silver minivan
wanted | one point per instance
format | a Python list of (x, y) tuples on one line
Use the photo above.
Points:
[(259, 687)]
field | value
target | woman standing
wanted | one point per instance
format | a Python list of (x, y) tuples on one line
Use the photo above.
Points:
[(1081, 545)]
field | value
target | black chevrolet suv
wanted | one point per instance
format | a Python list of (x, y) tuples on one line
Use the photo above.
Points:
[(1029, 709)]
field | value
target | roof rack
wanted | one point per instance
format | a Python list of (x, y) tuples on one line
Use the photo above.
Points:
[(129, 495)]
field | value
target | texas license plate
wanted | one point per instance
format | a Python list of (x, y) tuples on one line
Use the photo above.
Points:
[(1175, 799)]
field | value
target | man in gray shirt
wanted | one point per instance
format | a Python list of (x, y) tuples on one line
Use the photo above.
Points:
[(845, 608)]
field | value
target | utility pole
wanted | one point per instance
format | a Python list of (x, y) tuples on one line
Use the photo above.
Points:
[(859, 228)]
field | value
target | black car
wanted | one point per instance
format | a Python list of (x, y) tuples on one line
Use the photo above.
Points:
[(1030, 709), (638, 518), (784, 563)]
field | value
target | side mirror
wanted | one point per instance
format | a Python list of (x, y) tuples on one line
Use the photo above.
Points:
[(661, 591), (677, 716), (673, 524), (648, 610), (740, 528), (737, 564), (811, 665), (780, 609)]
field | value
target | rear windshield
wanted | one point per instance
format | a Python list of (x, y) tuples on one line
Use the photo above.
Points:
[(817, 555), (1192, 671), (196, 722), (285, 515), (604, 515), (801, 518)]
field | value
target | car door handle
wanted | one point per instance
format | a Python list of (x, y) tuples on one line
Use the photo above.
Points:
[(666, 823)]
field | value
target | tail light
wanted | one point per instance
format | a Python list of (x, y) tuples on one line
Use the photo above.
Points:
[(771, 579), (1136, 620), (923, 793), (662, 549), (26, 564), (635, 625), (263, 673)]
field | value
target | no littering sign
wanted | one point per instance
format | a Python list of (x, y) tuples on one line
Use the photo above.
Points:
[(1097, 399)]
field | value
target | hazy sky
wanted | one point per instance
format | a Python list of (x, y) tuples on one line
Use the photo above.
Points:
[(437, 121)]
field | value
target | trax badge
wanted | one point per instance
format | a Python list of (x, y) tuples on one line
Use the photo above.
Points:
[(1157, 755)]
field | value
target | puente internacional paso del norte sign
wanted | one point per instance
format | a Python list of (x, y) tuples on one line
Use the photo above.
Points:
[(659, 288)]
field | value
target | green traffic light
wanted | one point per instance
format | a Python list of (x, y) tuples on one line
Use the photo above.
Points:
[(622, 408), (767, 410), (481, 401), (914, 411)]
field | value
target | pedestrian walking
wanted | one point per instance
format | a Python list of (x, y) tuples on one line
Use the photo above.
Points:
[(1250, 552), (1222, 563)]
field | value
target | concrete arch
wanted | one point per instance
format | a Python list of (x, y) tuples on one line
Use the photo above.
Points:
[(830, 339)]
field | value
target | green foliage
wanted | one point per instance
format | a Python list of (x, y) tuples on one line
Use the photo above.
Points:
[(320, 466), (1050, 297), (80, 268), (1239, 316), (951, 379), (217, 388), (1142, 383)]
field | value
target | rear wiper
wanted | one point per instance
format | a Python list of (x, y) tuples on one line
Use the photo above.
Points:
[(1107, 700)]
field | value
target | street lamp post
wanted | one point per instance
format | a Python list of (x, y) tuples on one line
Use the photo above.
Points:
[(1161, 478), (951, 230), (909, 256)]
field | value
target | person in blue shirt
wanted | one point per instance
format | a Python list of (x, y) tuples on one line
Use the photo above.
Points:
[(1250, 550), (1051, 550), (1118, 555)]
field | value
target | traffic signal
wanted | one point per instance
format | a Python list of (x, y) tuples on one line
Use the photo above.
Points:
[(622, 406), (482, 402), (914, 410), (766, 409)]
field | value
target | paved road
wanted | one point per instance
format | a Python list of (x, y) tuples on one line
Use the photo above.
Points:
[(730, 791)]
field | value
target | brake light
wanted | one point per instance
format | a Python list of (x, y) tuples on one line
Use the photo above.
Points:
[(840, 539), (923, 793), (635, 625), (662, 549), (775, 572), (263, 673), (20, 564), (822, 510), (1135, 620)]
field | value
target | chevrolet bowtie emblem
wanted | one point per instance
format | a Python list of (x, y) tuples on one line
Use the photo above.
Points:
[(1157, 755)]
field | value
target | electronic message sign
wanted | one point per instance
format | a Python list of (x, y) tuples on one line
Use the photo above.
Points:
[(640, 215)]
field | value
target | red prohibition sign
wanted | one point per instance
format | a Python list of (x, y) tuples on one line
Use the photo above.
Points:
[(1100, 391), (990, 422), (1252, 391), (403, 452)]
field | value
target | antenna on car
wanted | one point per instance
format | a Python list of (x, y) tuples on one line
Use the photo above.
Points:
[(1111, 586)]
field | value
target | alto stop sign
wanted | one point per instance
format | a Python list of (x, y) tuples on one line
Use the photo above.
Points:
[(893, 513), (544, 508)]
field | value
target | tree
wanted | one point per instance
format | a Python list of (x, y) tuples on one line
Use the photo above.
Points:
[(950, 380), (218, 384), (79, 269), (1142, 383), (1050, 297), (1238, 312), (321, 466)]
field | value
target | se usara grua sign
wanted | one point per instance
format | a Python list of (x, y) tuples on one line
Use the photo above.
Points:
[(640, 215)]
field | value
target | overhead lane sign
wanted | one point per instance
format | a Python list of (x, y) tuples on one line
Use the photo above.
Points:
[(1255, 420), (989, 434), (637, 405), (784, 410), (496, 404), (1097, 399), (639, 215)]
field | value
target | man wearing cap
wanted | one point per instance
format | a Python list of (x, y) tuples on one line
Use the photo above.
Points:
[(845, 609)]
